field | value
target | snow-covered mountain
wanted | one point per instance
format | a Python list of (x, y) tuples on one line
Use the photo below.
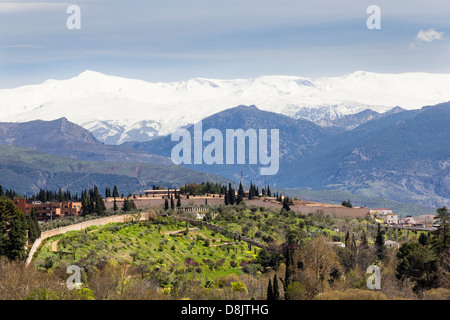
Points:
[(116, 109)]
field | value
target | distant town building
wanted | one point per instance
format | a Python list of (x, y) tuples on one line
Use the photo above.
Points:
[(426, 219), (391, 244), (390, 218), (200, 211), (49, 210), (380, 211), (337, 243), (384, 214), (160, 193), (408, 221)]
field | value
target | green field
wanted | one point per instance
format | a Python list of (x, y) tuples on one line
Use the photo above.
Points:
[(200, 253)]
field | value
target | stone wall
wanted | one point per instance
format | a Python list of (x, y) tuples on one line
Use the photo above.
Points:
[(81, 226)]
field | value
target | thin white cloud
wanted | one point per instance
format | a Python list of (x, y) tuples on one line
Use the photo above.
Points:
[(21, 46), (429, 35), (10, 7)]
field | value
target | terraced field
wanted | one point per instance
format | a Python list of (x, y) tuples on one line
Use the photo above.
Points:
[(165, 246)]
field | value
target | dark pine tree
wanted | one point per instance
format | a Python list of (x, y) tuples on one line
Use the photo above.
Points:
[(270, 291), (231, 195), (166, 204), (276, 290), (115, 193), (172, 203), (13, 230)]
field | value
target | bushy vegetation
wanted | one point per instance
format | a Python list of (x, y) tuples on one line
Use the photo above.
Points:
[(296, 259), (164, 250)]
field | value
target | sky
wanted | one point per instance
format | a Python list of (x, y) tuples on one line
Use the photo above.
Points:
[(176, 40)]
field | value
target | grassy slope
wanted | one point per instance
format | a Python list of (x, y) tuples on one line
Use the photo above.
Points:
[(145, 244)]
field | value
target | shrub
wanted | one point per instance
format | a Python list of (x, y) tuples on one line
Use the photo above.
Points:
[(352, 294), (239, 287), (437, 294), (220, 262)]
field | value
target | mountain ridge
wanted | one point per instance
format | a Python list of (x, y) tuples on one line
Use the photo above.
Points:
[(63, 138), (117, 110), (401, 155), (26, 171)]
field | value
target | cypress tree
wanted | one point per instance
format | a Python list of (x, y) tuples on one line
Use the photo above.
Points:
[(364, 241), (115, 193), (33, 226), (226, 197), (172, 203), (166, 204), (99, 205), (125, 205), (270, 290), (379, 244), (115, 208), (231, 195), (286, 204), (241, 190), (347, 239), (276, 291)]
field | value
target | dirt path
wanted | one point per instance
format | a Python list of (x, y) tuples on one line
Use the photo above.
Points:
[(178, 231), (55, 246), (221, 244)]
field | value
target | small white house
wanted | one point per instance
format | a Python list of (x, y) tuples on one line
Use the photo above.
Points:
[(409, 221), (390, 218), (391, 244), (337, 243)]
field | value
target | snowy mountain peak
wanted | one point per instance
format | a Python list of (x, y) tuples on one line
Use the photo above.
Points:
[(90, 74), (118, 109)]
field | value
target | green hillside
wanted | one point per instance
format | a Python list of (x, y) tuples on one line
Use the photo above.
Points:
[(156, 246), (26, 171)]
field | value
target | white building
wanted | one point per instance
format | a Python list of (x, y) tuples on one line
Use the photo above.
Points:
[(380, 211), (390, 218), (407, 221), (384, 214), (391, 244)]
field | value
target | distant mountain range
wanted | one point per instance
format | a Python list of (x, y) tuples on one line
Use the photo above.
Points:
[(65, 139), (401, 155), (26, 171), (363, 132), (116, 110), (60, 154)]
